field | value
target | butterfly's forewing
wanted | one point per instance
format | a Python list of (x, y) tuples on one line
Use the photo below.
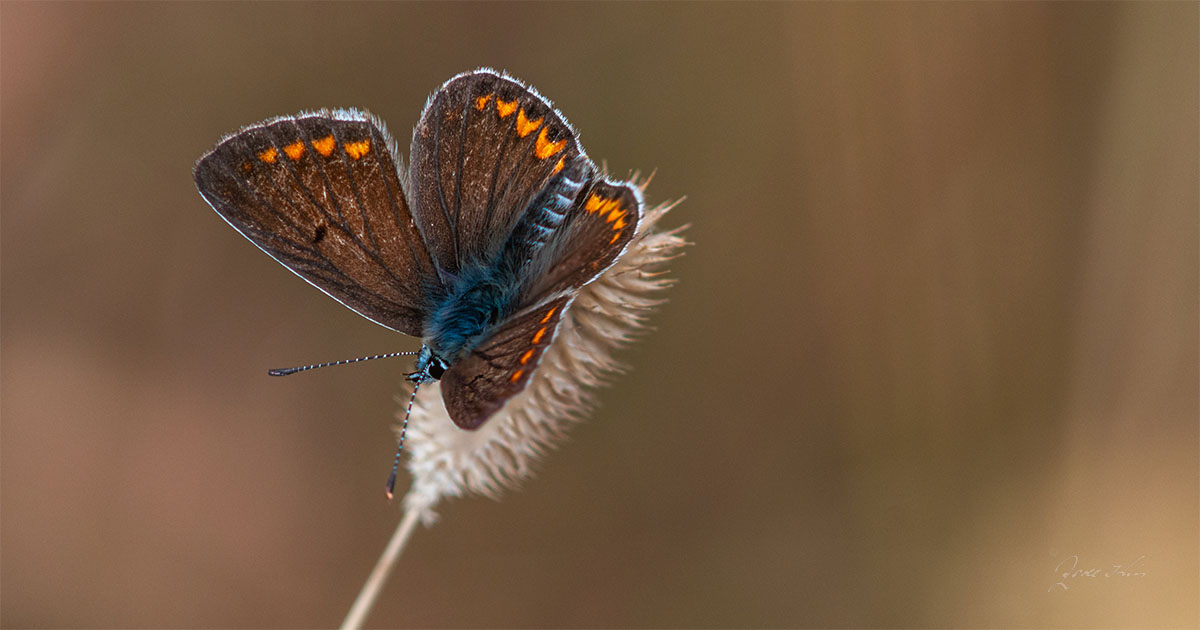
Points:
[(321, 194), (477, 385), (485, 147)]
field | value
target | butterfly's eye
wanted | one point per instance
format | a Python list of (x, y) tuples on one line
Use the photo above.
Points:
[(436, 368)]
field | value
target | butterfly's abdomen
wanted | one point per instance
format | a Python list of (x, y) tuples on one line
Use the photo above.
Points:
[(544, 215)]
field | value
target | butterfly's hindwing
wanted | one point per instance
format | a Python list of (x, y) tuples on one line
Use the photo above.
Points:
[(596, 229), (478, 384), (485, 147), (321, 194)]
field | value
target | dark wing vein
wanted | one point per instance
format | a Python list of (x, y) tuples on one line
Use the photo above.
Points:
[(462, 145)]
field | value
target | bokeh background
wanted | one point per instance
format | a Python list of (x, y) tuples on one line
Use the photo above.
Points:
[(935, 342)]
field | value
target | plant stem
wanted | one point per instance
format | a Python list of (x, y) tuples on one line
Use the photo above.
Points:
[(379, 575)]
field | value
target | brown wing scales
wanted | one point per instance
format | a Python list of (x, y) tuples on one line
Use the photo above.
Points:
[(321, 194)]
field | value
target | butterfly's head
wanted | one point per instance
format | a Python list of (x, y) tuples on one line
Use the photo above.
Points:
[(430, 367), (436, 368)]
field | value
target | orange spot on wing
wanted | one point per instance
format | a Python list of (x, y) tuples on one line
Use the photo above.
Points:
[(545, 148), (619, 224), (548, 315), (524, 125), (294, 150), (325, 145), (516, 375), (593, 203), (614, 215), (558, 167), (269, 155), (614, 238), (358, 149), (505, 108), (527, 356), (537, 337), (246, 166), (482, 102)]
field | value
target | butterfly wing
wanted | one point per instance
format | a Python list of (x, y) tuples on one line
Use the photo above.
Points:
[(485, 148), (477, 385), (321, 194)]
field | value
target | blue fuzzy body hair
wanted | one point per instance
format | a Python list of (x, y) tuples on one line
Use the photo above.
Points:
[(481, 296)]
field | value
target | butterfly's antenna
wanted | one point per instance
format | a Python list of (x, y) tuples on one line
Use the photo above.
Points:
[(305, 368), (391, 484)]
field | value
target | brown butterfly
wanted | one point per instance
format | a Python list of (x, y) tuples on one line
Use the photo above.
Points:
[(477, 248)]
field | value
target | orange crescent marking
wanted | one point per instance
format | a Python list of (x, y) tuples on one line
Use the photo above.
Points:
[(524, 125), (516, 375), (294, 150), (525, 357), (593, 203), (505, 109), (482, 102), (545, 148), (548, 315), (619, 224), (614, 238), (558, 167), (269, 155), (325, 145), (537, 337), (358, 149)]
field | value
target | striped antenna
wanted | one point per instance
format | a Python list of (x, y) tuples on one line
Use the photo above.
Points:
[(305, 368)]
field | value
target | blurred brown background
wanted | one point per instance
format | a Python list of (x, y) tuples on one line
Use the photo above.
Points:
[(937, 335)]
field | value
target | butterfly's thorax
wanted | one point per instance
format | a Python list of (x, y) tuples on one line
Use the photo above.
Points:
[(480, 296)]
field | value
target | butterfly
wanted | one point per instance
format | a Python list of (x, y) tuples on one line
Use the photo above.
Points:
[(477, 248)]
